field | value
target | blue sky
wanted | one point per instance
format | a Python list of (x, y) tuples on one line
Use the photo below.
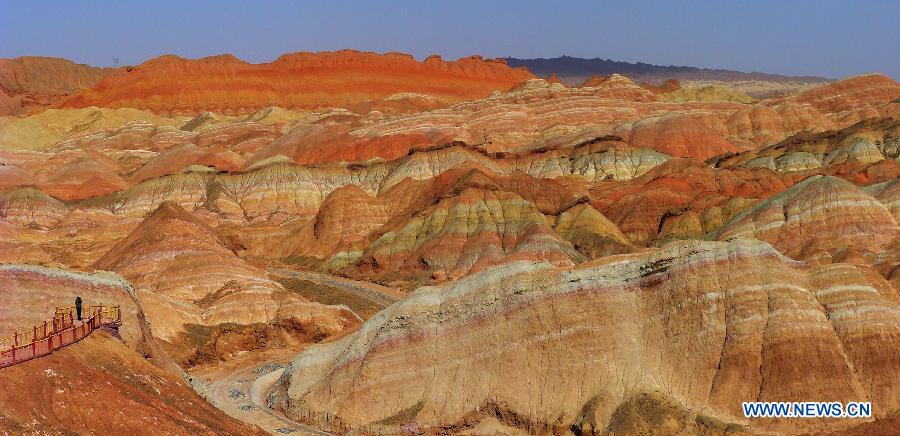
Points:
[(830, 38)]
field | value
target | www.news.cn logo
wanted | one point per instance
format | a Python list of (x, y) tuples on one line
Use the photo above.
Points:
[(808, 409)]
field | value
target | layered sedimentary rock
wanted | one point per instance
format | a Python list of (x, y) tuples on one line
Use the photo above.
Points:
[(676, 135), (816, 217), (466, 231), (591, 233), (461, 220), (40, 131), (682, 199), (82, 178), (99, 386), (865, 142), (665, 87), (760, 124), (186, 273), (13, 175), (276, 191), (707, 324), (225, 84), (43, 230), (534, 114), (31, 207), (29, 82), (30, 295), (706, 93), (682, 189), (888, 193), (851, 94)]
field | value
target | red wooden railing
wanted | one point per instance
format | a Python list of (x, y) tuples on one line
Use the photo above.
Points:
[(58, 332)]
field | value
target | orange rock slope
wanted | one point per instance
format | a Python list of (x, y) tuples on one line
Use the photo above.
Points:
[(112, 382), (728, 249), (225, 84), (99, 386), (188, 274), (541, 349), (32, 81)]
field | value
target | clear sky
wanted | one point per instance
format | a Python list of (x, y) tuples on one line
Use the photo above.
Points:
[(832, 38)]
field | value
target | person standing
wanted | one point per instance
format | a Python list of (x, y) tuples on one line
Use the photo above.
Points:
[(78, 307)]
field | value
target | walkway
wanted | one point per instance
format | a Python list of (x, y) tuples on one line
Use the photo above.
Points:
[(60, 331)]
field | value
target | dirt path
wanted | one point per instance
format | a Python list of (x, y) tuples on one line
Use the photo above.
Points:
[(381, 295), (238, 388)]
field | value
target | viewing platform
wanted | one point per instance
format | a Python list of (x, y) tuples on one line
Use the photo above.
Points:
[(60, 331)]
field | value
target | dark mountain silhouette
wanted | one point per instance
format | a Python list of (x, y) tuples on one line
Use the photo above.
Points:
[(576, 70)]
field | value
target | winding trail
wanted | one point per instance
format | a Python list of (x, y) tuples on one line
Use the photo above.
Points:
[(239, 386), (381, 295)]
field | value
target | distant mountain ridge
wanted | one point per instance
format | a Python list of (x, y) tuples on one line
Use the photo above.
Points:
[(574, 70)]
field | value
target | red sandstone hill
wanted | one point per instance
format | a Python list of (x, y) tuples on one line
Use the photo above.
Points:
[(851, 93), (30, 81), (226, 84)]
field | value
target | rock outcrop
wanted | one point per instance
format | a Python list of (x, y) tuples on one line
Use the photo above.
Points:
[(851, 93), (710, 324), (865, 142), (224, 84), (30, 294), (707, 93), (99, 386), (676, 135), (187, 275), (28, 83), (475, 226), (40, 131), (815, 218)]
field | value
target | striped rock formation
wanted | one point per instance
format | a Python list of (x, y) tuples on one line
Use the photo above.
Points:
[(225, 84), (30, 295), (29, 206), (30, 83), (851, 94), (705, 93), (762, 124), (888, 193), (868, 141), (591, 233), (99, 386), (89, 386), (279, 190), (533, 348), (461, 220), (41, 131), (815, 218), (534, 116), (474, 226), (677, 135), (682, 189), (188, 275), (538, 113)]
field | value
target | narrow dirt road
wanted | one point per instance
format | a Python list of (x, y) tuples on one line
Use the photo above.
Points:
[(239, 388), (382, 295)]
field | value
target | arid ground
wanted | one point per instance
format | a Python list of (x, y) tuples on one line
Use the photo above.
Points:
[(359, 243)]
